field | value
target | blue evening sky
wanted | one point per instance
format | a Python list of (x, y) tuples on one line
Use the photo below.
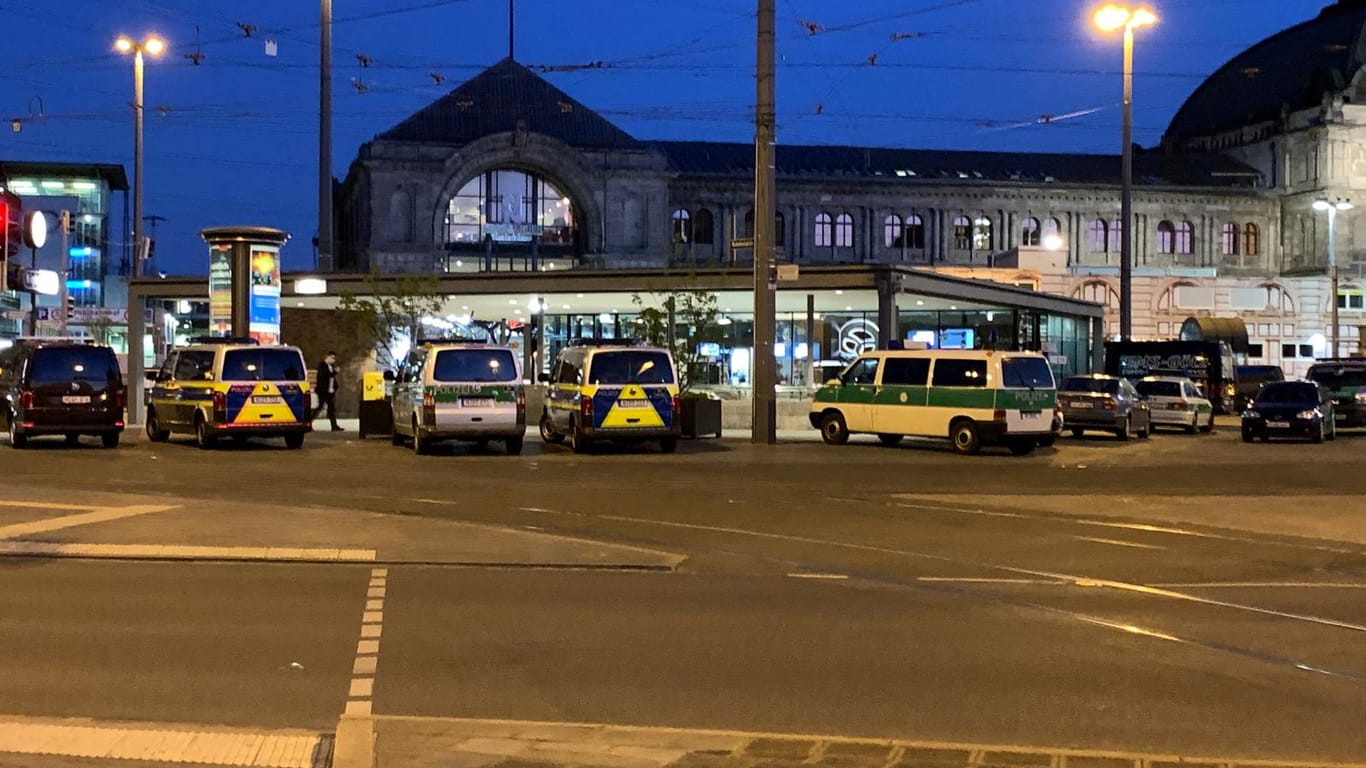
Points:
[(233, 139)]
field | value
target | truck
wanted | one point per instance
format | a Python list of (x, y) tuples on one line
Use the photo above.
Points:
[(1210, 364)]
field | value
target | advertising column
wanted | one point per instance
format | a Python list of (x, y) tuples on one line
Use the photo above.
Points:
[(244, 281)]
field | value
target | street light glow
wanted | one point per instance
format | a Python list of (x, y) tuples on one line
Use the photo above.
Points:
[(123, 45), (1112, 17), (154, 46), (1339, 205)]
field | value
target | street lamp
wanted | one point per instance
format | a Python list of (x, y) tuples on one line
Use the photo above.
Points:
[(1332, 207), (1108, 19), (152, 46)]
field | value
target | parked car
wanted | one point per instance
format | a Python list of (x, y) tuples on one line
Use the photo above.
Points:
[(1343, 380), (1252, 377), (1104, 402), (612, 390), (1175, 401), (61, 387), (1290, 408), (459, 391)]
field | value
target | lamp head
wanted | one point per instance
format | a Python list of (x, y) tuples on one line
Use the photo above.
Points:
[(123, 44), (154, 45), (1112, 17)]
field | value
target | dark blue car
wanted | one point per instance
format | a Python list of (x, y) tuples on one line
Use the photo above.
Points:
[(1291, 409)]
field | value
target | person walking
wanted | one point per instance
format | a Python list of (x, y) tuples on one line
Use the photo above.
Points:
[(327, 389)]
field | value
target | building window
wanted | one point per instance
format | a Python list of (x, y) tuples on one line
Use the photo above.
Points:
[(981, 234), (1351, 298), (962, 233), (1117, 236), (1251, 241), (1293, 351), (1254, 350), (824, 233), (506, 205), (779, 229), (893, 236), (703, 227), (1098, 292), (1228, 239), (1166, 237), (915, 232), (1100, 236), (1030, 235), (749, 223), (1185, 238), (1277, 300), (1052, 231), (682, 226), (844, 231)]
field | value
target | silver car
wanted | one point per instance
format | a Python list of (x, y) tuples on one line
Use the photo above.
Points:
[(1106, 403), (450, 391)]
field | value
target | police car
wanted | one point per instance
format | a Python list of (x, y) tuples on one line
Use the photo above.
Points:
[(1175, 401), (605, 390), (230, 387), (459, 391)]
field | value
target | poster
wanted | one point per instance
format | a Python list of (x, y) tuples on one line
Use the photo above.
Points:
[(220, 290), (264, 318)]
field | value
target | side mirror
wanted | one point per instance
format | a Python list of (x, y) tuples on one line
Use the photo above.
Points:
[(388, 375), (544, 378)]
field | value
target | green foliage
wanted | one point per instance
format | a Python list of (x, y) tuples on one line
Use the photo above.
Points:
[(680, 320), (394, 307)]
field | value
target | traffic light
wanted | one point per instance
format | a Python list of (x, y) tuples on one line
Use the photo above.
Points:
[(70, 308)]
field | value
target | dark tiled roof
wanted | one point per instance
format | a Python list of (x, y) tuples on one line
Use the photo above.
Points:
[(496, 101), (113, 175), (929, 165), (1292, 69)]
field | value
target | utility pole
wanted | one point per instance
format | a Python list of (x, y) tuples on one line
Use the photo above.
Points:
[(764, 425), (137, 163), (324, 258), (511, 26)]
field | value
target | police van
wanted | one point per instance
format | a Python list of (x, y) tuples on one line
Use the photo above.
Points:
[(230, 387), (609, 390), (459, 391), (972, 397)]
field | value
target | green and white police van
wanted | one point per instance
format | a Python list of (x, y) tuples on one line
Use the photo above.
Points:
[(972, 397), (459, 391)]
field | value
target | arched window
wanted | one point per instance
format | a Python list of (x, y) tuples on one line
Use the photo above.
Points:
[(915, 232), (1185, 238), (682, 226), (981, 234), (962, 233), (1278, 299), (844, 231), (749, 223), (1030, 234), (1100, 235), (1116, 236), (779, 229), (508, 205), (703, 227), (892, 234), (1052, 232), (1251, 240), (1228, 239), (1097, 291), (1167, 301), (1166, 237), (824, 233)]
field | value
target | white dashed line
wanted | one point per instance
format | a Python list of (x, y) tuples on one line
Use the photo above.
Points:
[(362, 691), (1117, 542)]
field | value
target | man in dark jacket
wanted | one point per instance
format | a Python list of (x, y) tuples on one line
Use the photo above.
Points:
[(327, 389)]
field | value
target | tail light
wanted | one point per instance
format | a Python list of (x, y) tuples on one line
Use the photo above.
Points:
[(521, 406), (26, 399), (428, 407), (120, 397), (586, 407), (999, 415), (220, 406), (678, 405), (1180, 406), (1109, 404)]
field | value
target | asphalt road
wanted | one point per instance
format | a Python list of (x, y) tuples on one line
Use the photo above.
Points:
[(820, 594)]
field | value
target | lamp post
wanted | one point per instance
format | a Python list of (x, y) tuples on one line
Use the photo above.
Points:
[(153, 46), (1108, 19), (1332, 207)]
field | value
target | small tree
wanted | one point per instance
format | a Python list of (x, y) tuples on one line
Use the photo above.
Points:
[(394, 307), (680, 320)]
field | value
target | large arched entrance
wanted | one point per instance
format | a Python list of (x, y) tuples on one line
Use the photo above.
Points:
[(510, 213)]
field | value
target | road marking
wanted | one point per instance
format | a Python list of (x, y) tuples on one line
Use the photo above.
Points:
[(1262, 585), (164, 743), (988, 580), (1117, 542), (50, 505), (360, 696), (431, 501), (829, 576), (185, 552), (91, 516)]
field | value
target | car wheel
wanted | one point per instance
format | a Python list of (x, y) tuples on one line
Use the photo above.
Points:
[(1317, 434), (154, 431), (1077, 431), (548, 433), (420, 444), (1333, 432), (833, 429), (396, 437), (577, 442), (295, 441), (110, 439), (668, 444), (72, 438), (964, 435), (17, 439), (202, 438), (1047, 442), (514, 446), (1146, 430), (889, 440), (1266, 437), (1247, 435), (1194, 425), (1209, 425), (1123, 432), (1021, 446)]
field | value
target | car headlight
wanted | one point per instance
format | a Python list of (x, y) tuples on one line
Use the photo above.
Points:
[(1361, 398), (1310, 414), (1250, 414)]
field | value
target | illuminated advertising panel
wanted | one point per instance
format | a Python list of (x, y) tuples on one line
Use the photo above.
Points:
[(264, 321), (220, 290)]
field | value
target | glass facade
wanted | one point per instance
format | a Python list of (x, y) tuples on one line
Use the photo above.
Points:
[(509, 206)]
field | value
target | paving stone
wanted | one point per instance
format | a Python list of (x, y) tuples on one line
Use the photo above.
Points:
[(1074, 761), (852, 754), (791, 749), (933, 758), (709, 759), (1018, 759)]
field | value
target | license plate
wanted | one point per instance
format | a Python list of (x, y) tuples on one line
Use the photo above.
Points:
[(1278, 424), (476, 402), (1176, 407), (266, 399), (1082, 404), (1031, 414), (633, 403), (75, 399)]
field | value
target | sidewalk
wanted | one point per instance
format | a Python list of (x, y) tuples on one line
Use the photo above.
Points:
[(416, 742), (351, 429)]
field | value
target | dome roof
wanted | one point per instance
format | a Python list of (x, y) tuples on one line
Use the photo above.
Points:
[(1292, 70)]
